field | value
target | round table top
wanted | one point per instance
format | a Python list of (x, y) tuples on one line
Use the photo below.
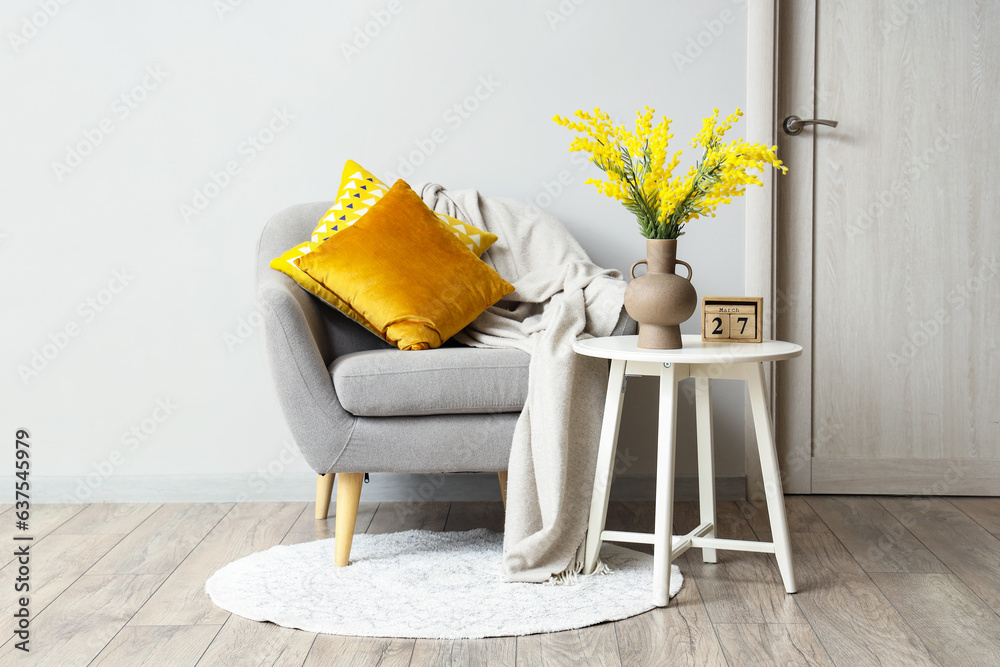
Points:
[(695, 350)]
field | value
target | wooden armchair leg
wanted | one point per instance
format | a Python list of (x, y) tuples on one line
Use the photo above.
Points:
[(348, 497), (503, 487), (324, 489)]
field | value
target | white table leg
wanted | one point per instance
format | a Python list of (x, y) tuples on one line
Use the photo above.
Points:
[(771, 474), (665, 448), (706, 460), (605, 463)]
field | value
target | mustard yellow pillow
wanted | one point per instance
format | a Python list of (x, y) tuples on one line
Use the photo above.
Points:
[(359, 191), (405, 273)]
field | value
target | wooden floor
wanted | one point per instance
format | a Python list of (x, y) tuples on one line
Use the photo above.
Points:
[(890, 581)]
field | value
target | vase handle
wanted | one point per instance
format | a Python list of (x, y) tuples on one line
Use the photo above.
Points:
[(690, 272), (632, 270)]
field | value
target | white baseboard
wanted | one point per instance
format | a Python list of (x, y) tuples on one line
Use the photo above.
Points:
[(383, 487)]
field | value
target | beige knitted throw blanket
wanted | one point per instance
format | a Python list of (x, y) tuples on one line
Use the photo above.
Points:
[(560, 297)]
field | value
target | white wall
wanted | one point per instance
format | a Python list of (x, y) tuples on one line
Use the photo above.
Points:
[(156, 97)]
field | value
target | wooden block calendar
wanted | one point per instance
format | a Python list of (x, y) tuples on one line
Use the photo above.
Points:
[(737, 319)]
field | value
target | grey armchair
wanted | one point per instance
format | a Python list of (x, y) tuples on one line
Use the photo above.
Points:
[(355, 404)]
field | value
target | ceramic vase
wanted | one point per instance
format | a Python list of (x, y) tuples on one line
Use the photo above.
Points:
[(659, 300)]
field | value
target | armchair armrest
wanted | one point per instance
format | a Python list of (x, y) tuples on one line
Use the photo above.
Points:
[(298, 350)]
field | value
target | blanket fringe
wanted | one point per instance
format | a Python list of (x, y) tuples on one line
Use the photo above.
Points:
[(571, 575)]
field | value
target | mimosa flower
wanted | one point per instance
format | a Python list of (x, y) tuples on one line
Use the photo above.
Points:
[(640, 176)]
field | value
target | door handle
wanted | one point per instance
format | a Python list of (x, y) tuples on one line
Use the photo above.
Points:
[(793, 124)]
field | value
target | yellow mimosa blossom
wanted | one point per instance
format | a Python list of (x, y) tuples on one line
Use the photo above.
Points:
[(640, 175)]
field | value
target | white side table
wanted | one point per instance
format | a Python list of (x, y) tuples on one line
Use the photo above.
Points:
[(704, 361)]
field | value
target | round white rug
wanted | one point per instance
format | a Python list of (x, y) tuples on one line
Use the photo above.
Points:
[(422, 584)]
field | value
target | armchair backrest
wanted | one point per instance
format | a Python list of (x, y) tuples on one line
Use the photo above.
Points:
[(284, 230)]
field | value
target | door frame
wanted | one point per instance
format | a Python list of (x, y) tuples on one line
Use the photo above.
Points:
[(779, 249)]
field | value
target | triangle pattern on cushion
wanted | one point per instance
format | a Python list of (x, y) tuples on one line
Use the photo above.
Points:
[(357, 183)]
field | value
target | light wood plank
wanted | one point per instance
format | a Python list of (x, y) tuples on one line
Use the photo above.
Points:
[(855, 622), (873, 536), (174, 645), (643, 638), (801, 517), (106, 518), (771, 644), (77, 626), (638, 516), (741, 587), (333, 651), (968, 549), (55, 565), (307, 522), (681, 634), (529, 651), (308, 529), (397, 517), (245, 642), (499, 651), (595, 645), (894, 476), (472, 515), (44, 519), (953, 622), (984, 511), (249, 527), (163, 540)]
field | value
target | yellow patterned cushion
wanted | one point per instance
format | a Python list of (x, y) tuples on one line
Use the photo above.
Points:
[(405, 272), (359, 191)]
